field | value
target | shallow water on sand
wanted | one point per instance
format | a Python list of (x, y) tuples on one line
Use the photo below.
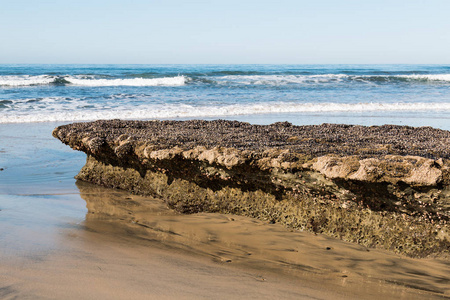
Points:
[(65, 239)]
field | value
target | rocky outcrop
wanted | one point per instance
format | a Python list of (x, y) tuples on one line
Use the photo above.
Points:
[(381, 186)]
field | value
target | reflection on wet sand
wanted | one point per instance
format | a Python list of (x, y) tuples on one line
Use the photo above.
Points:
[(242, 242)]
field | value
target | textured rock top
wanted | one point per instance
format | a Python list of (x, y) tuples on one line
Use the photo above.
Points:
[(315, 140), (416, 156)]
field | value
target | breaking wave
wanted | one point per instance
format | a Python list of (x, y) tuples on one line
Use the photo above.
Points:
[(165, 81), (25, 80), (55, 111), (83, 80), (224, 80), (328, 78)]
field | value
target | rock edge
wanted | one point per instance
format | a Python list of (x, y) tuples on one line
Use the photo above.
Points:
[(380, 186)]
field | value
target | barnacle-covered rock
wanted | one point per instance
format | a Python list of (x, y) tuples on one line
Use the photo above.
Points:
[(380, 186)]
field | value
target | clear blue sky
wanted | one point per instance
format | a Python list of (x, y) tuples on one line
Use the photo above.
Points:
[(231, 31)]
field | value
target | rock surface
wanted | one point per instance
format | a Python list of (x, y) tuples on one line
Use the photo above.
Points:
[(380, 186)]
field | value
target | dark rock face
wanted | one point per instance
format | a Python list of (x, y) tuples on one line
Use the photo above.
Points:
[(381, 186)]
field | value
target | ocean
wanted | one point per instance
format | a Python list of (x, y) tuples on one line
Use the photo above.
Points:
[(415, 95)]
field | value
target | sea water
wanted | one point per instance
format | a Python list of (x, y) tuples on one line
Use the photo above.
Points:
[(416, 95)]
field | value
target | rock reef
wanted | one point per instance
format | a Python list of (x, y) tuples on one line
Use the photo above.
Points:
[(380, 186)]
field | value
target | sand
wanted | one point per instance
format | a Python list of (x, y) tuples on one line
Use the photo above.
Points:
[(62, 240)]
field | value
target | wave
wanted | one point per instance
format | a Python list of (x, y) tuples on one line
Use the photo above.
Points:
[(278, 79), (88, 80), (221, 78), (25, 80), (328, 78), (61, 112), (428, 77), (164, 81)]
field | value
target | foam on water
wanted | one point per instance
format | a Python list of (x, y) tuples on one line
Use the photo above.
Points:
[(325, 78), (279, 79), (25, 80), (56, 110), (86, 80), (95, 81), (168, 81), (428, 77)]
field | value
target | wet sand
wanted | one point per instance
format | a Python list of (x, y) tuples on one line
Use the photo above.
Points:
[(51, 259), (60, 240)]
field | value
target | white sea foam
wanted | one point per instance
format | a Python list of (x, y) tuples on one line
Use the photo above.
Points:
[(323, 78), (270, 80), (56, 110), (87, 80), (279, 79), (25, 80), (165, 81), (428, 77)]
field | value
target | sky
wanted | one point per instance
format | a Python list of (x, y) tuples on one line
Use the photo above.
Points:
[(225, 32)]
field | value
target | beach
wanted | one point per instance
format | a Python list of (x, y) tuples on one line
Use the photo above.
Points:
[(66, 239), (63, 239)]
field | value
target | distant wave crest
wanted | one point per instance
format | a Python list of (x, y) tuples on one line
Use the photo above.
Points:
[(25, 80), (80, 80), (232, 80), (327, 78), (165, 81)]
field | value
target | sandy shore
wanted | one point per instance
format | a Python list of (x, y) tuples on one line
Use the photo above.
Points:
[(62, 240)]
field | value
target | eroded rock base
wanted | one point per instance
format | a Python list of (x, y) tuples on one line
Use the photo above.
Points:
[(309, 204)]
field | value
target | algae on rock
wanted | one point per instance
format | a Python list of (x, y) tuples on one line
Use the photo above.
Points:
[(386, 186)]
